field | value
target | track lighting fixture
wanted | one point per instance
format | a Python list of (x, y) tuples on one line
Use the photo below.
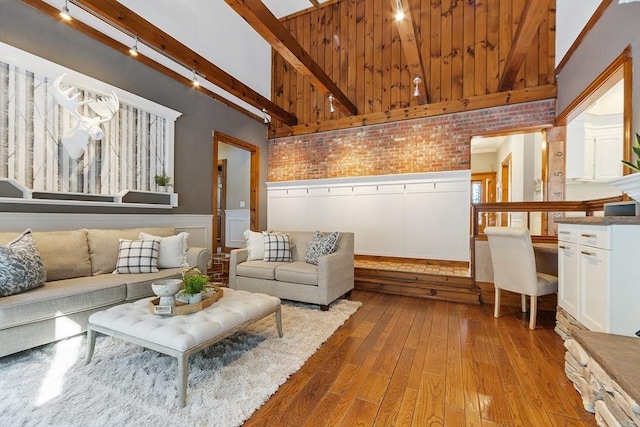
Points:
[(195, 81), (266, 119), (399, 11), (332, 108), (134, 49), (64, 12), (416, 90)]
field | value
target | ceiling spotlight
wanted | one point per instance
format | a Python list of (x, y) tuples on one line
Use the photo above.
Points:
[(64, 12), (195, 81), (265, 118), (332, 108), (399, 11), (416, 90), (134, 49)]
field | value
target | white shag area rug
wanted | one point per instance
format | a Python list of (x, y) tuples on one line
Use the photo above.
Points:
[(126, 385)]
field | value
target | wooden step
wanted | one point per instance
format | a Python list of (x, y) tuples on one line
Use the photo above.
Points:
[(442, 287)]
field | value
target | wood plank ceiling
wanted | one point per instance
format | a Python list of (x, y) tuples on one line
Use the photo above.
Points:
[(467, 54)]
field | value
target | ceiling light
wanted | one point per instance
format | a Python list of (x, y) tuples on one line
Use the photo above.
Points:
[(64, 12), (195, 81), (332, 108), (416, 90), (399, 11), (265, 118), (134, 49)]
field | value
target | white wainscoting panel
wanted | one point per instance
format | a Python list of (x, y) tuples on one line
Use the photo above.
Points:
[(199, 227), (423, 215), (236, 222)]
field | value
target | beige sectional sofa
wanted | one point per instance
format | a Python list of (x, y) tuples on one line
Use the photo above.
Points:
[(297, 280), (79, 266)]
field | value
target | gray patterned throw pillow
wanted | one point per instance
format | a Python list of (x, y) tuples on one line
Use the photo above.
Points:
[(21, 266), (321, 245)]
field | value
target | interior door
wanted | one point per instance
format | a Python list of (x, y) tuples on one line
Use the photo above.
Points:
[(483, 190)]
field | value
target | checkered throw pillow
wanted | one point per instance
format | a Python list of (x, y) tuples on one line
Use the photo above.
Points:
[(138, 256), (276, 247)]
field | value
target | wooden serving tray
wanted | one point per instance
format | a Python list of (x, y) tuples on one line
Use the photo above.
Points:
[(182, 308)]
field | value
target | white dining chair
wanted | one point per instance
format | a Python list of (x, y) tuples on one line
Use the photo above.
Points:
[(514, 268)]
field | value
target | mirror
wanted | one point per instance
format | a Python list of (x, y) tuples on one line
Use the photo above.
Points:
[(595, 146)]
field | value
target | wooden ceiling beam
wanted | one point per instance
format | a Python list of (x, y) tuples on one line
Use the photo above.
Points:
[(533, 14), (113, 12), (108, 41), (407, 33), (272, 30)]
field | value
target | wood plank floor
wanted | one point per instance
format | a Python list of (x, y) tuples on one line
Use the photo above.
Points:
[(403, 361)]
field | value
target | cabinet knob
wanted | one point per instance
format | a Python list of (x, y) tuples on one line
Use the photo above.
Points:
[(562, 247), (588, 235), (587, 253)]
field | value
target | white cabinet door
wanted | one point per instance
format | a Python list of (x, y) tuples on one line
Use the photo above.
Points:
[(568, 256), (593, 308), (608, 152)]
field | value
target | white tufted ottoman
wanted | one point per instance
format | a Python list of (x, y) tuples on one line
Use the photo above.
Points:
[(182, 336)]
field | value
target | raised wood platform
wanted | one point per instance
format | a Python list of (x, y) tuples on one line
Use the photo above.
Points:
[(444, 280)]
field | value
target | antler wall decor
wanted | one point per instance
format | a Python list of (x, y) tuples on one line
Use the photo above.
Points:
[(77, 139)]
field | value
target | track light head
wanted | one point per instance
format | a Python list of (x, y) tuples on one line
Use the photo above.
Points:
[(332, 108), (64, 12), (194, 80), (133, 51), (416, 90)]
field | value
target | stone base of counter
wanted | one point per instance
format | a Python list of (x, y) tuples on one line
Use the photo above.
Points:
[(604, 370), (565, 323)]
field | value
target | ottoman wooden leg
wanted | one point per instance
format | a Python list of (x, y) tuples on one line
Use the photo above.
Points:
[(91, 343), (279, 322), (183, 377)]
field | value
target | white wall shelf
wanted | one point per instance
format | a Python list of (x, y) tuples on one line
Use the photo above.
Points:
[(12, 191)]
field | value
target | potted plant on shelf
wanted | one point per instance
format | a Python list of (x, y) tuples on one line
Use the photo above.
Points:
[(630, 184), (194, 284), (162, 181)]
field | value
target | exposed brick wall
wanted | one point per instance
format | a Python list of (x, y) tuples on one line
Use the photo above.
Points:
[(439, 143)]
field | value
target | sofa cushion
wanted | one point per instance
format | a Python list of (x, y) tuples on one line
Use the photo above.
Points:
[(259, 269), (104, 245), (138, 256), (65, 253), (21, 266), (276, 247), (139, 285), (298, 272), (61, 297)]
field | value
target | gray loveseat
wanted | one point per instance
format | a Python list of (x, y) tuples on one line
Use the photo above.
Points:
[(79, 264), (297, 280)]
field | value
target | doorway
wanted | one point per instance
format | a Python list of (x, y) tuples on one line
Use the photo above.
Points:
[(505, 180), (254, 152), (221, 203), (483, 190)]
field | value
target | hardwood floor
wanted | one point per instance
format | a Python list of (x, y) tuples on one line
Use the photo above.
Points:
[(403, 361)]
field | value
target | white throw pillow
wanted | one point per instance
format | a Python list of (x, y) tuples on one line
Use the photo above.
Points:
[(255, 245), (173, 249)]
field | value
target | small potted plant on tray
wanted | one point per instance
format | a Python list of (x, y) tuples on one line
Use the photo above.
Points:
[(195, 284), (162, 181)]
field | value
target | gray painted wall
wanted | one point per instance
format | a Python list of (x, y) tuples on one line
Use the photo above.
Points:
[(617, 28), (238, 175), (27, 29)]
